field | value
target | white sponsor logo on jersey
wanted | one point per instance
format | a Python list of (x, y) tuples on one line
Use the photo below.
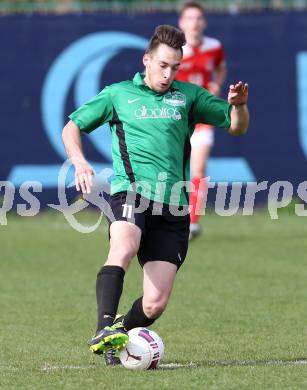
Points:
[(175, 99), (157, 113)]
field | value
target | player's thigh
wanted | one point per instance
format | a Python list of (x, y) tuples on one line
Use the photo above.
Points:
[(124, 233), (125, 240), (126, 224), (159, 277), (201, 142)]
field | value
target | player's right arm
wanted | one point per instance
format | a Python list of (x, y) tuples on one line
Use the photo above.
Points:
[(87, 118), (73, 146)]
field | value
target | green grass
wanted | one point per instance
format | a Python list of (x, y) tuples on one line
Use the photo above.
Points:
[(237, 313)]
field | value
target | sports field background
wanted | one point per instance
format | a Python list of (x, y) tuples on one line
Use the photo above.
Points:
[(237, 316), (236, 320)]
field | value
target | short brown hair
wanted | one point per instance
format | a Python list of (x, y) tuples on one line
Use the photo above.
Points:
[(190, 4), (168, 35)]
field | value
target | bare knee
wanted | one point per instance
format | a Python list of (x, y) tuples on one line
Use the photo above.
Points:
[(154, 308)]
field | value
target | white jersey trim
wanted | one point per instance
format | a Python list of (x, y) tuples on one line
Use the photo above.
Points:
[(207, 44)]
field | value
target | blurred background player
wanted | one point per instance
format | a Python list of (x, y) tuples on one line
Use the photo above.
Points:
[(204, 64)]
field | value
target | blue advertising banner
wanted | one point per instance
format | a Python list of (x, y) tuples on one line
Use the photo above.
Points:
[(52, 64)]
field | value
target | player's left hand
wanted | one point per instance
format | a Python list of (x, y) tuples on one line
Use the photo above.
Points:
[(238, 94)]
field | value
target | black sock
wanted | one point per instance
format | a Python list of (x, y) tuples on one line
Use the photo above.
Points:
[(136, 316), (109, 287)]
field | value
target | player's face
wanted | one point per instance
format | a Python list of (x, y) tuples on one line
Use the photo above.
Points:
[(192, 22), (161, 67)]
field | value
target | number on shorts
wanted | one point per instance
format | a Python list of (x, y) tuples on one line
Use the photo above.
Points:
[(127, 210)]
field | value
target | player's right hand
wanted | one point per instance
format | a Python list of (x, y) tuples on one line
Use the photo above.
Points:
[(83, 176)]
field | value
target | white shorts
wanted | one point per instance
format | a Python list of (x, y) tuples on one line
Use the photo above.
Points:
[(202, 135)]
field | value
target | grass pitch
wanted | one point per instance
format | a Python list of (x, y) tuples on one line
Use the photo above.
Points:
[(236, 319)]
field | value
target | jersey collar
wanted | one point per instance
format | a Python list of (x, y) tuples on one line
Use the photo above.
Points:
[(138, 80)]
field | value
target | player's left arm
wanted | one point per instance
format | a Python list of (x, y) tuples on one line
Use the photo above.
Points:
[(220, 74), (239, 117)]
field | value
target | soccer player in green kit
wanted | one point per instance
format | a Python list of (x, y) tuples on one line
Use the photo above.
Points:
[(151, 119)]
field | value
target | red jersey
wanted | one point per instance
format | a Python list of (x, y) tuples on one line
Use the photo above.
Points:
[(198, 63)]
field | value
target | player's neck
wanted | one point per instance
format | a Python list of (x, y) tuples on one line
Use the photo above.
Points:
[(194, 41), (147, 82)]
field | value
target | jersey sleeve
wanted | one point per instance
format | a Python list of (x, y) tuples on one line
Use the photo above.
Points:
[(211, 110), (95, 112)]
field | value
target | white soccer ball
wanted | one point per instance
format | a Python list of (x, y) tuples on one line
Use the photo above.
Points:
[(144, 350)]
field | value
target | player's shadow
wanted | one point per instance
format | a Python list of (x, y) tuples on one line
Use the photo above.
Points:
[(233, 363)]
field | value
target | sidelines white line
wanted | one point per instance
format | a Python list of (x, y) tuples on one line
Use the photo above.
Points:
[(300, 362), (10, 369), (49, 367), (245, 363), (178, 365)]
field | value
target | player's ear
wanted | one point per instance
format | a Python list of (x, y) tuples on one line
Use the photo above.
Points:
[(146, 59)]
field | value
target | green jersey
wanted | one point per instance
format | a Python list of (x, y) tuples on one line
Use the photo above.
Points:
[(151, 133)]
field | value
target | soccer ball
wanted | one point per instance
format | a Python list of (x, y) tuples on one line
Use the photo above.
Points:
[(144, 350)]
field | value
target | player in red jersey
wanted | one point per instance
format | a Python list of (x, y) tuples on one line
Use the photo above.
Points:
[(204, 64)]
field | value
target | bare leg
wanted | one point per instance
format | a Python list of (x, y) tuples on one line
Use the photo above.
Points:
[(199, 159), (124, 243), (159, 277), (158, 282)]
